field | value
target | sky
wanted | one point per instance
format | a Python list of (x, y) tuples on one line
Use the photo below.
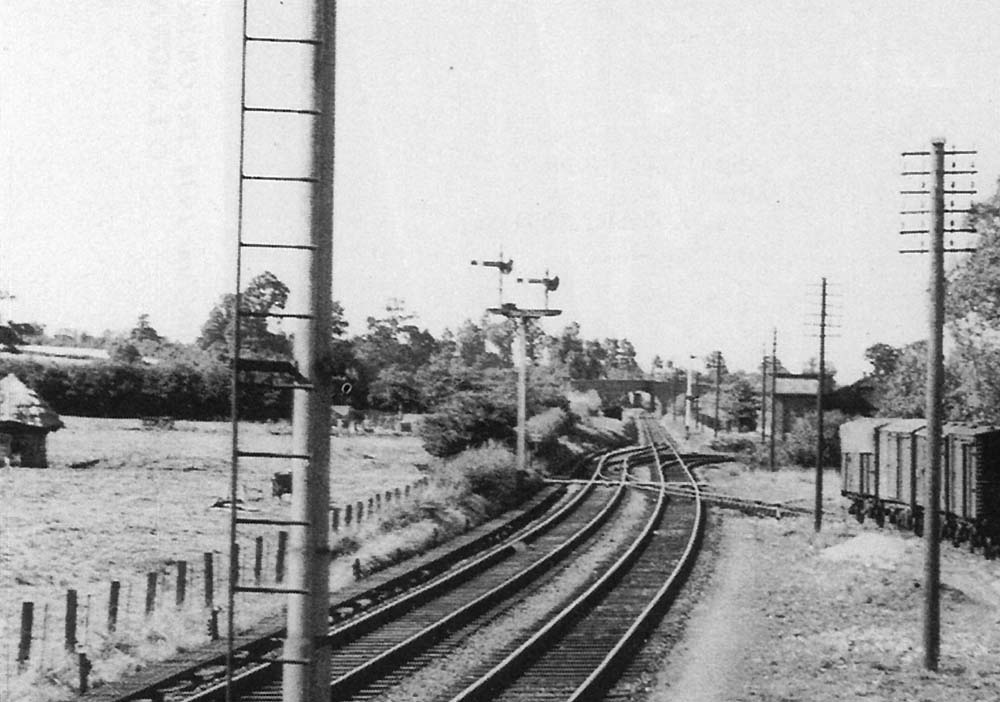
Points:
[(690, 171)]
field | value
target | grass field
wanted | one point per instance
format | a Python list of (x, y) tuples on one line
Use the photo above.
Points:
[(136, 502)]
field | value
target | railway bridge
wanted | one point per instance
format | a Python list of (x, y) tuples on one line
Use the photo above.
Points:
[(622, 391)]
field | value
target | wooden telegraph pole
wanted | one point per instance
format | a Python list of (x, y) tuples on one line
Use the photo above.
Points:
[(774, 387), (763, 394), (818, 510), (935, 188), (717, 364), (689, 399)]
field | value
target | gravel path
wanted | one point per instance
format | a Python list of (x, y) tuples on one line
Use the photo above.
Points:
[(791, 615)]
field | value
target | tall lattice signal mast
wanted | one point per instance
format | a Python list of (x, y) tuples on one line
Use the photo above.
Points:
[(286, 220)]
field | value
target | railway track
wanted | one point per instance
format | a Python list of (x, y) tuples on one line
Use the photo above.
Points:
[(584, 648), (635, 554)]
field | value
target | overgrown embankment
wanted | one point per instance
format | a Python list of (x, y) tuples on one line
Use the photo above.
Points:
[(470, 488)]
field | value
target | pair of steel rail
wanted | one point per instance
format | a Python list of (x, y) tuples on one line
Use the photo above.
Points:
[(377, 633)]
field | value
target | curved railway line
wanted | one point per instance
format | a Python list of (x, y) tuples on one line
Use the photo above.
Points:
[(596, 563)]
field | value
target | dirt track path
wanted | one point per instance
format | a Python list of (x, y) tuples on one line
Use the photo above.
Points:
[(709, 665)]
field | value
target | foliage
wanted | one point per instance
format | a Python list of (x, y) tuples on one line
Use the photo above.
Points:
[(733, 443), (631, 432), (884, 359), (124, 352), (800, 443), (544, 430), (742, 403), (144, 331), (265, 294), (468, 419), (135, 390), (972, 307), (9, 337), (902, 392), (491, 473), (388, 356)]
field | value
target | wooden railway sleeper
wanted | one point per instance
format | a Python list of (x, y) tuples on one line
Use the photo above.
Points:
[(387, 660)]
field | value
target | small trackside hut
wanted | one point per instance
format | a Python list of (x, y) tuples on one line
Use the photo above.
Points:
[(25, 423)]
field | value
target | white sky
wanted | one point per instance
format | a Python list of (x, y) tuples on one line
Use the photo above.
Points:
[(690, 170)]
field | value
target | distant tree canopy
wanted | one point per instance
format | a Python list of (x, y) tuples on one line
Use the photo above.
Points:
[(972, 309), (465, 379), (263, 295)]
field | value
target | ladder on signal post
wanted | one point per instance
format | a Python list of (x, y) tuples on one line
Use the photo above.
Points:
[(283, 175)]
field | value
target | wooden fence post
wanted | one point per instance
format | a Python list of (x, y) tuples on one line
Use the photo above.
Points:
[(213, 624), (83, 666), (279, 566), (70, 638), (116, 589), (151, 579), (27, 623), (181, 592), (258, 559), (209, 580)]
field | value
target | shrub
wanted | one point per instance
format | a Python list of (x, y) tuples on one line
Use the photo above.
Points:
[(108, 389), (491, 473), (800, 443), (733, 443), (545, 429), (467, 420), (631, 431)]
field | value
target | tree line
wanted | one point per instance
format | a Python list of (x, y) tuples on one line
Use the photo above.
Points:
[(972, 317), (392, 365)]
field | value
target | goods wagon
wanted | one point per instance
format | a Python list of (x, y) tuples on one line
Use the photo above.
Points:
[(884, 472)]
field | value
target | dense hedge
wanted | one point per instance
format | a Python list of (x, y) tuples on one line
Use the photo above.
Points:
[(106, 389), (469, 419)]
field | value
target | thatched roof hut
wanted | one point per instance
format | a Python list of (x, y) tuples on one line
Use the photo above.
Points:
[(25, 421)]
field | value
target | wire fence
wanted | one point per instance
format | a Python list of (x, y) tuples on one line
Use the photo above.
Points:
[(61, 638)]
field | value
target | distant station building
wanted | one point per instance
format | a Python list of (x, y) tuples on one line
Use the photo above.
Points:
[(25, 423), (794, 397)]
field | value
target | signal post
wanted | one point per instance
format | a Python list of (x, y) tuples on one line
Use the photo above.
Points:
[(521, 317)]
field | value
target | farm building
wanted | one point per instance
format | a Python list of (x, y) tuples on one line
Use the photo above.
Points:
[(25, 422)]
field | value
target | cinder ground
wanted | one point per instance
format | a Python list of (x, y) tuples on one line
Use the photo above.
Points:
[(789, 614)]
